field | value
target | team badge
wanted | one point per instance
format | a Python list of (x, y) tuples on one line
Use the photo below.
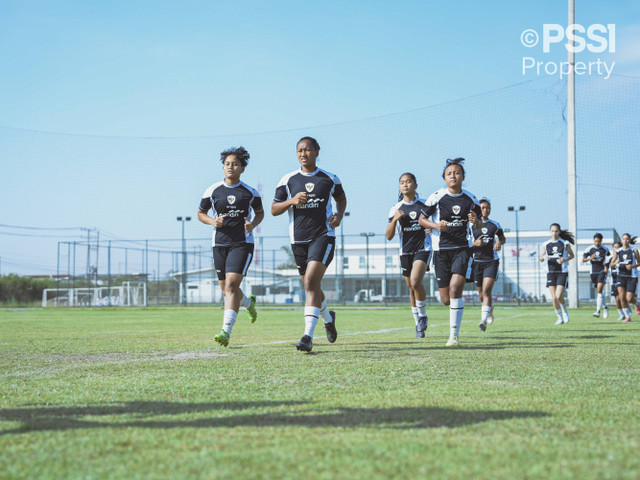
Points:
[(624, 257), (309, 187), (456, 209), (555, 250), (231, 199), (413, 215), (485, 230)]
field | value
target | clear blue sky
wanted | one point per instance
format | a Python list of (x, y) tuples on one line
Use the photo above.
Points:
[(224, 69)]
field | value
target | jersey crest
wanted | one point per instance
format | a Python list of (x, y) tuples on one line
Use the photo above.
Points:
[(456, 209), (309, 186), (413, 215), (231, 199)]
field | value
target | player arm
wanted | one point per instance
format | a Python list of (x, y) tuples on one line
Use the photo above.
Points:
[(570, 255), (426, 223), (614, 260), (341, 207), (501, 240), (543, 255), (207, 219), (637, 257)]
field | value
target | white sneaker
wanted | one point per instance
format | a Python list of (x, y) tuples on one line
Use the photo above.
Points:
[(453, 341), (559, 321), (605, 313), (565, 318), (490, 319), (596, 314)]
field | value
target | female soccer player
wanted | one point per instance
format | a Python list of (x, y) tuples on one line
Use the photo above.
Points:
[(415, 247), (486, 260), (557, 251), (450, 212), (306, 194), (614, 283), (237, 210), (627, 259), (597, 254)]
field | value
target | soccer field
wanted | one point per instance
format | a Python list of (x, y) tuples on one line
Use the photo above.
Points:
[(146, 393)]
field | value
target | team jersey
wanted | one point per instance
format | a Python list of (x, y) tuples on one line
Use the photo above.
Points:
[(626, 257), (411, 234), (236, 202), (601, 254), (310, 220), (452, 208), (556, 250), (490, 229)]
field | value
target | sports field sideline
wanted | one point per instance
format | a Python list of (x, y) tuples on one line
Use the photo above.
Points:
[(146, 393)]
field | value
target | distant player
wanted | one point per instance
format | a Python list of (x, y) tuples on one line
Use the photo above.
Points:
[(306, 194), (597, 255), (450, 212), (557, 251), (627, 259), (486, 260), (614, 284), (237, 211), (415, 247)]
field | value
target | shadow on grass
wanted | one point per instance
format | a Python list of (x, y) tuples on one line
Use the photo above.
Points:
[(72, 418)]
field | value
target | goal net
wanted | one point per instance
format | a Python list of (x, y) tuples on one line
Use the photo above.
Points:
[(129, 294)]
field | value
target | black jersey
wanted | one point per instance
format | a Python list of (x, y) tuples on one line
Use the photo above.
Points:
[(490, 229), (556, 250), (626, 257), (601, 253), (454, 209), (236, 202), (310, 220), (411, 234)]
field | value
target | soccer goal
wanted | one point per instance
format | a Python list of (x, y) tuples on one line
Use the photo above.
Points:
[(129, 294)]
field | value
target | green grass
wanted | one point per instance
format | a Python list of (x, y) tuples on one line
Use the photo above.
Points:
[(147, 394)]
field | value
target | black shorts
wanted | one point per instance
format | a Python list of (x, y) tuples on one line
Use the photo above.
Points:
[(406, 261), (557, 279), (234, 259), (482, 270), (597, 278), (321, 250), (628, 283), (448, 262)]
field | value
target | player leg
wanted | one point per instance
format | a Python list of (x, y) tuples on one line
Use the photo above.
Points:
[(456, 307), (220, 262), (487, 304), (560, 289), (238, 261), (556, 304), (478, 268), (418, 270)]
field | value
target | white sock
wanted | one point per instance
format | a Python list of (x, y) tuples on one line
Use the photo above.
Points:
[(599, 299), (627, 312), (311, 315), (245, 301), (621, 312), (324, 312), (421, 305), (559, 312), (416, 315), (563, 308), (456, 309), (229, 320), (486, 310)]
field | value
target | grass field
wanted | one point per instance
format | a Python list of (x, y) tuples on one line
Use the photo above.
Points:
[(146, 393)]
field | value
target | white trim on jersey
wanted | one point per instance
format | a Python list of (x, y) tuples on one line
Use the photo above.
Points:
[(565, 254), (434, 200)]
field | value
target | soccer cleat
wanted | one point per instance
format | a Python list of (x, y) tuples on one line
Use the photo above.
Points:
[(453, 341), (421, 326), (251, 309), (419, 334), (596, 314), (559, 321), (483, 326), (332, 333), (490, 319), (565, 318), (305, 344), (222, 338), (627, 319), (605, 312), (621, 318)]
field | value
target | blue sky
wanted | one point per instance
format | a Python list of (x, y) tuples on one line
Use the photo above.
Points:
[(228, 72)]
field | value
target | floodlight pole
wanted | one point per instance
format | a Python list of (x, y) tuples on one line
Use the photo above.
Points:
[(184, 262), (513, 209), (366, 236), (572, 292)]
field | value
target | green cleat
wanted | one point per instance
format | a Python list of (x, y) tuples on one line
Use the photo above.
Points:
[(222, 338), (251, 309), (453, 341)]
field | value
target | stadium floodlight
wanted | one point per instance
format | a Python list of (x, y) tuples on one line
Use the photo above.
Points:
[(366, 236), (520, 209), (184, 262), (342, 295)]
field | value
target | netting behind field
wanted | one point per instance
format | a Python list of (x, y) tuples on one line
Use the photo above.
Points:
[(514, 139)]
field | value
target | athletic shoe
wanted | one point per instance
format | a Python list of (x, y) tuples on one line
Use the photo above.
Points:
[(419, 334), (627, 319), (638, 308), (421, 326), (565, 318), (251, 309), (559, 321), (305, 344), (621, 318), (596, 314), (332, 333), (483, 326), (490, 319), (453, 341), (222, 338), (605, 313)]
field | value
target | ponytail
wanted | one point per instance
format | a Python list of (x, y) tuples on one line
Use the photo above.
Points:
[(564, 234), (632, 240)]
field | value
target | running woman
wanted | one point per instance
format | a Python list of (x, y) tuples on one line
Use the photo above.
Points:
[(627, 259), (415, 247), (597, 255), (614, 283), (306, 194), (486, 260), (450, 212), (557, 251), (237, 211)]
